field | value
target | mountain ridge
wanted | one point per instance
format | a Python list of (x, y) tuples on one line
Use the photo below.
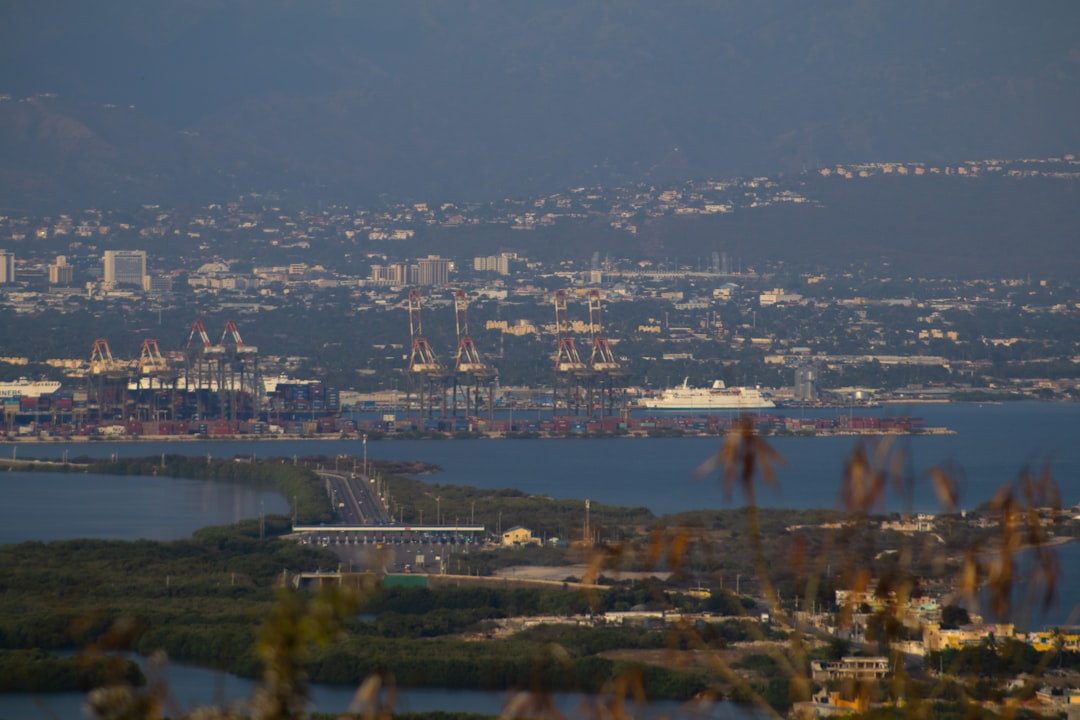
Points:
[(481, 100)]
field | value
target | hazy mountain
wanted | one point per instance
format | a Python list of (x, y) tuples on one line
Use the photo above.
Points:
[(473, 100)]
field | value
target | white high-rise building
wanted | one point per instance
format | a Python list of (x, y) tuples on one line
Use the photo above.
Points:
[(60, 273), (394, 274), (7, 267), (494, 263), (433, 270), (125, 267)]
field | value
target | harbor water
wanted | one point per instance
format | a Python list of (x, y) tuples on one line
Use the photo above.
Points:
[(993, 444)]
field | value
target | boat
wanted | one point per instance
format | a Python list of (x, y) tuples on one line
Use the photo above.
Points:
[(717, 397), (28, 388)]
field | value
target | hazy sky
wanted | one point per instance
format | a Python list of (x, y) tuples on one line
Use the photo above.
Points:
[(481, 99)]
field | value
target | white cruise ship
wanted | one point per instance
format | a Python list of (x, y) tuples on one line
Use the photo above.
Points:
[(717, 397)]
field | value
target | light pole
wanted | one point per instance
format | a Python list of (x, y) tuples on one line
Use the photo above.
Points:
[(438, 514), (365, 454)]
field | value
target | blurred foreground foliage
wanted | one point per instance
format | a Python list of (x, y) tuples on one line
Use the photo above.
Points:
[(40, 672)]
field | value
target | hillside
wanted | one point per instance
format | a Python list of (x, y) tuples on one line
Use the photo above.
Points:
[(179, 101)]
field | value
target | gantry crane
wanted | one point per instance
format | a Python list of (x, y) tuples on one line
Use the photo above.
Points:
[(569, 369), (424, 366), (238, 347), (108, 379), (151, 361), (469, 369), (202, 368), (154, 379), (101, 358), (602, 363), (238, 373)]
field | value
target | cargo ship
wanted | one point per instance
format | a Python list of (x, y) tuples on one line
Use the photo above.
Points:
[(717, 397), (28, 388)]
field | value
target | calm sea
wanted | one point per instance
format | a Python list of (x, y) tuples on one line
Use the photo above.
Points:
[(993, 445), (59, 506)]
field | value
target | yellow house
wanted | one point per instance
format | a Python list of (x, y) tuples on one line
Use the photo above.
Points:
[(1043, 641), (519, 535), (934, 638)]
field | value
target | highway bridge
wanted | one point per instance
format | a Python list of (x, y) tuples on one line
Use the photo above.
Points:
[(361, 510), (391, 528), (353, 499)]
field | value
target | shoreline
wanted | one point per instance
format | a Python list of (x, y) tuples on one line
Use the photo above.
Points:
[(496, 435)]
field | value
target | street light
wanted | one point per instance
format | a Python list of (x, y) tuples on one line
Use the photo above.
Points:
[(437, 512), (365, 454)]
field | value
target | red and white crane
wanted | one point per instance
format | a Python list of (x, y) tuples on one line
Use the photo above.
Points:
[(468, 357), (202, 344), (422, 359), (231, 332), (601, 359), (151, 361), (567, 359)]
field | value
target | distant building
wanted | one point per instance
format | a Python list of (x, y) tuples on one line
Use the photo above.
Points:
[(7, 267), (156, 285), (125, 267), (851, 668), (519, 535), (494, 263), (432, 270), (1048, 640), (806, 383), (395, 274), (936, 638), (777, 296), (60, 273)]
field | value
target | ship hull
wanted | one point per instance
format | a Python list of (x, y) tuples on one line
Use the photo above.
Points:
[(28, 388), (715, 398), (661, 404)]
